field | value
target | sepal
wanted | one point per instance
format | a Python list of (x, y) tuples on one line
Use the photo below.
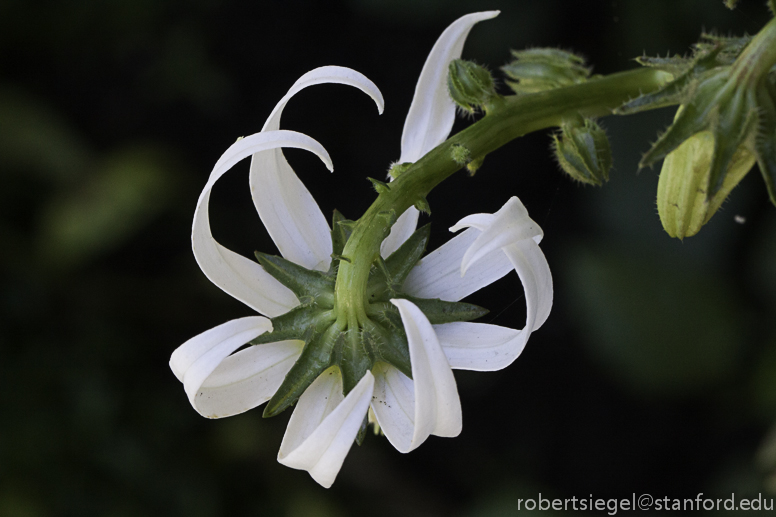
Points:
[(309, 286), (341, 229), (727, 114), (315, 358)]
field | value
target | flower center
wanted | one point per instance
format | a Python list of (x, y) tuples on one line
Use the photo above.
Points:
[(345, 316)]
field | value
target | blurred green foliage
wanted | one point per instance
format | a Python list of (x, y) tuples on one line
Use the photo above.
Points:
[(655, 373)]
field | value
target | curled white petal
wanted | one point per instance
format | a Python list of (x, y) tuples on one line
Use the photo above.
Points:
[(534, 273), (438, 274), (509, 225), (240, 277), (246, 379), (432, 112), (197, 358), (287, 209), (480, 346), (437, 408), (325, 75), (511, 230), (324, 424)]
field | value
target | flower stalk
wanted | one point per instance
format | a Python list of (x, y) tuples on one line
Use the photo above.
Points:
[(506, 118)]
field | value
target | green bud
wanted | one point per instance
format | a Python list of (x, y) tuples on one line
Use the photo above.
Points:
[(682, 202), (583, 151), (470, 85), (539, 69)]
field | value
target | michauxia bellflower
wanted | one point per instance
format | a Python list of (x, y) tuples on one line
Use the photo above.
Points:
[(413, 330)]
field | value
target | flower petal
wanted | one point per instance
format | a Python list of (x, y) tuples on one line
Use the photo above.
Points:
[(246, 379), (432, 112), (510, 224), (534, 273), (195, 360), (323, 426), (245, 279), (480, 346), (511, 230), (393, 404), (401, 230), (286, 207), (438, 274), (437, 406), (325, 75)]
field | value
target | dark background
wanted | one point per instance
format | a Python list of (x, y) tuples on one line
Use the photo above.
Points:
[(656, 372)]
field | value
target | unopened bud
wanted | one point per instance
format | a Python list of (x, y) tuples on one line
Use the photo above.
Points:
[(539, 69), (470, 85), (583, 152), (682, 191)]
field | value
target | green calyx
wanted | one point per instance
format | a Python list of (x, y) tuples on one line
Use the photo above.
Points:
[(726, 90), (331, 335)]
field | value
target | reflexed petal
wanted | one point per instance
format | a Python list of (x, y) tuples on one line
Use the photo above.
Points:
[(479, 346), (324, 425), (325, 75), (246, 379), (438, 274), (195, 360), (393, 404), (511, 230), (509, 225), (240, 277), (534, 273), (432, 112), (286, 207), (401, 230), (437, 406)]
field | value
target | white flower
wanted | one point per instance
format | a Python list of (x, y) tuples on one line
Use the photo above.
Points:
[(324, 424)]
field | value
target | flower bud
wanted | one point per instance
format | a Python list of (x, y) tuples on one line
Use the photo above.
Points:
[(583, 152), (539, 69), (470, 85), (682, 200)]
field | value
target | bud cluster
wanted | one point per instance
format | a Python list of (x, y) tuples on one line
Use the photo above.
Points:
[(726, 121)]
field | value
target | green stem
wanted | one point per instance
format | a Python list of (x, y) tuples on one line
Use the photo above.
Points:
[(506, 120)]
